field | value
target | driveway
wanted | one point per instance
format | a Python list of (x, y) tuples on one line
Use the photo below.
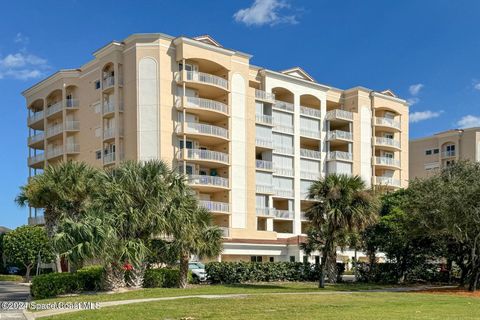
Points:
[(12, 291)]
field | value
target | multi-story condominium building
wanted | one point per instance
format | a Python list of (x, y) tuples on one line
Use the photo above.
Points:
[(249, 139), (430, 154)]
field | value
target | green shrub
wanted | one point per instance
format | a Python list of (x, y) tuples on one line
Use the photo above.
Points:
[(238, 272), (11, 277), (163, 278), (54, 284)]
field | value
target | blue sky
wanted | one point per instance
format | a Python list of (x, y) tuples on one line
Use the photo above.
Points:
[(426, 51)]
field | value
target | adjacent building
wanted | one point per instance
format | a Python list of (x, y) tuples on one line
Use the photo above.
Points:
[(430, 154), (251, 140)]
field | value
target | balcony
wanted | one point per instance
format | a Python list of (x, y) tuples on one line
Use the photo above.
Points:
[(339, 135), (202, 129), (35, 221), (39, 137), (206, 104), (54, 152), (54, 108), (339, 155), (283, 171), (387, 122), (448, 154), (208, 181), (72, 148), (339, 114), (265, 212), (109, 108), (264, 165), (264, 119), (307, 153), (303, 216), (309, 175), (387, 142), (264, 189), (225, 231), (36, 159), (310, 112), (109, 133), (315, 134), (204, 156), (203, 78), (282, 105), (283, 129), (264, 143), (54, 130), (283, 149), (265, 96), (72, 103), (215, 206), (387, 162), (109, 158), (387, 181), (108, 82), (284, 214), (35, 117), (283, 193), (72, 125)]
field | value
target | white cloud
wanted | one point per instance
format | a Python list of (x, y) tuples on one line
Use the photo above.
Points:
[(414, 89), (423, 115), (476, 84), (261, 12), (413, 100), (22, 65), (469, 121)]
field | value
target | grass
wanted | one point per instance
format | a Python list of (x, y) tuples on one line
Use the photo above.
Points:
[(357, 306), (257, 288), (11, 277)]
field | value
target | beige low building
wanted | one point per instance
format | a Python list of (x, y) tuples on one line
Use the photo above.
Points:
[(251, 140), (430, 154)]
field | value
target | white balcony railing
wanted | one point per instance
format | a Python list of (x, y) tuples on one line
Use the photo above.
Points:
[(283, 128), (38, 220), (36, 138), (262, 95), (387, 181), (53, 130), (208, 180), (35, 116), (309, 175), (307, 153), (310, 133), (108, 82), (72, 148), (282, 105), (225, 231), (215, 206), (54, 108), (206, 78), (339, 155), (310, 112), (195, 127), (207, 155), (264, 188), (109, 158), (386, 161), (72, 125), (109, 133), (303, 216), (265, 143), (339, 114), (54, 152), (265, 211), (339, 135), (283, 149), (263, 165), (108, 107), (263, 118), (284, 214), (448, 154), (387, 142), (283, 193), (36, 158), (207, 104), (72, 103), (283, 171), (387, 122)]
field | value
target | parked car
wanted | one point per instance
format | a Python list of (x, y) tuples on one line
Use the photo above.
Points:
[(198, 271), (13, 270)]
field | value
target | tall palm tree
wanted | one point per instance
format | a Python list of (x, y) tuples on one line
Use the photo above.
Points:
[(342, 205)]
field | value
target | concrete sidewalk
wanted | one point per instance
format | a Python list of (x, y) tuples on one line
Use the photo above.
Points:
[(13, 292)]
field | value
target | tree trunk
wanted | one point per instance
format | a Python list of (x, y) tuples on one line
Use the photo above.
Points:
[(332, 267), (135, 279), (474, 279), (183, 276), (114, 277), (27, 273), (323, 267)]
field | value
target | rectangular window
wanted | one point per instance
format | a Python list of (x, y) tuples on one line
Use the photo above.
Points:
[(436, 151), (98, 154), (272, 259), (256, 258), (97, 84), (292, 258), (428, 152)]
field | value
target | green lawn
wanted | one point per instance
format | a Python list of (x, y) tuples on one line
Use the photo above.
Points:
[(10, 277), (214, 289), (355, 306)]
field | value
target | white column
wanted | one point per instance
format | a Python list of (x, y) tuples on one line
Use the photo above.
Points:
[(297, 224)]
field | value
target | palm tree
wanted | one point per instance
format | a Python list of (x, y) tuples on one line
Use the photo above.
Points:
[(342, 205)]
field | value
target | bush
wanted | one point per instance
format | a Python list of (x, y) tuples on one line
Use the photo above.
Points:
[(11, 277), (163, 278), (389, 273), (238, 272), (54, 284)]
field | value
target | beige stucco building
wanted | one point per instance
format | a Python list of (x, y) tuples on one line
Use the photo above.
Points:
[(251, 140), (430, 154)]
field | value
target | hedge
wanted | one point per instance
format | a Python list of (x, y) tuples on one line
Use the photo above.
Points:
[(163, 278), (238, 272), (54, 284)]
